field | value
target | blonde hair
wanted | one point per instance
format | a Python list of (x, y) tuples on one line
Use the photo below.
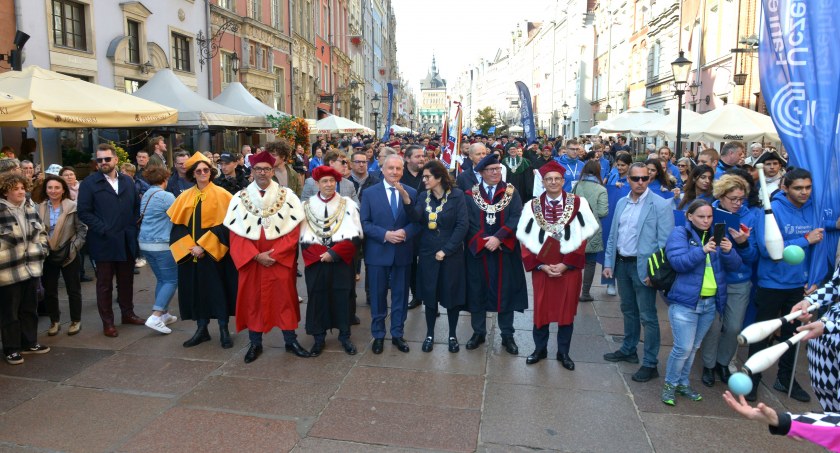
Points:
[(128, 168), (728, 183)]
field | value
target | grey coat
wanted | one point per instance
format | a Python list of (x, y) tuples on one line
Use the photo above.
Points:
[(596, 194)]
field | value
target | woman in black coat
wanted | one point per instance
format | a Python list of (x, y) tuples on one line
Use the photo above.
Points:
[(441, 211)]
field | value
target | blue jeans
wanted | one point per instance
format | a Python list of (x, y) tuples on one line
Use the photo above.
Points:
[(689, 325), (166, 273), (638, 305)]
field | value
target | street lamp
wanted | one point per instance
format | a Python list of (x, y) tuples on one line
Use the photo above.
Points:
[(564, 109), (374, 104), (680, 68), (608, 109)]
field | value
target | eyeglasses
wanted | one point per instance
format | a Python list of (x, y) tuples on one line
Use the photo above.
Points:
[(359, 161), (552, 180), (425, 177), (100, 160), (682, 165), (493, 170), (574, 149), (736, 200), (638, 178), (201, 171), (262, 169), (343, 162)]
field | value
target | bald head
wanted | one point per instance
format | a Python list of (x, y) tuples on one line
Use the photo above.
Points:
[(477, 152)]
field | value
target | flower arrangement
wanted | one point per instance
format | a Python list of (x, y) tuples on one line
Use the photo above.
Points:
[(295, 130)]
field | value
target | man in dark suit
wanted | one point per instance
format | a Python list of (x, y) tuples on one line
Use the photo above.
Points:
[(469, 177), (412, 177), (389, 249), (109, 206)]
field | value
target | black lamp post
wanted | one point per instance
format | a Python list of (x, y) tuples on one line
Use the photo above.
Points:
[(564, 109), (374, 104), (608, 109), (680, 68)]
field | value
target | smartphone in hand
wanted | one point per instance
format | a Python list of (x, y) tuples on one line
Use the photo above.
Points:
[(720, 230)]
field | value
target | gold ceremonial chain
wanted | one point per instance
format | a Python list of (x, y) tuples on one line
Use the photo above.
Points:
[(492, 209), (264, 213), (554, 228), (433, 215), (325, 229)]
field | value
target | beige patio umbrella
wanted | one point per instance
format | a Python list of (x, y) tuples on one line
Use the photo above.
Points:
[(339, 124), (14, 111), (731, 122), (60, 101)]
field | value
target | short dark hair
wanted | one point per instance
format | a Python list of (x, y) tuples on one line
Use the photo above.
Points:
[(42, 189), (592, 167), (796, 173), (190, 175), (624, 157), (331, 157), (106, 147), (65, 170), (731, 147), (695, 205), (410, 151), (156, 175), (181, 153), (359, 152), (280, 147), (437, 170)]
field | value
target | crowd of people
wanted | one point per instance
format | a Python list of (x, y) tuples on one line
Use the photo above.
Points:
[(227, 231)]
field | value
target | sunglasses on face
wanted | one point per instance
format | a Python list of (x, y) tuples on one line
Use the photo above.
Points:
[(100, 160), (201, 171), (639, 178)]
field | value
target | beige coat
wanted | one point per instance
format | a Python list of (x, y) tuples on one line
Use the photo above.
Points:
[(68, 227)]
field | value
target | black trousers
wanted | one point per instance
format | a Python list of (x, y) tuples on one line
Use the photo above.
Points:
[(771, 304), (105, 272), (70, 273), (564, 338), (18, 316)]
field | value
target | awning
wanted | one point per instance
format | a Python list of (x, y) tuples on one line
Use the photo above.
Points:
[(666, 126), (14, 111), (341, 125), (731, 122), (627, 121), (193, 109), (237, 97)]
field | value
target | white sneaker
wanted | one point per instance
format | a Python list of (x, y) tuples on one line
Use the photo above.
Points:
[(168, 319), (611, 290), (140, 262), (154, 322)]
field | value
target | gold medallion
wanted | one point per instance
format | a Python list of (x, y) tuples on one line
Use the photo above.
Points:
[(432, 225), (433, 216)]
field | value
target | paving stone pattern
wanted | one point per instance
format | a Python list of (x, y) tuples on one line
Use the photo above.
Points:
[(144, 392)]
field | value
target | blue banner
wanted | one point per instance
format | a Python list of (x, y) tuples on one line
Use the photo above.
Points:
[(799, 63), (387, 135), (526, 112)]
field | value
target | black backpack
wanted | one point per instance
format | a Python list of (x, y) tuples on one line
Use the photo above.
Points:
[(660, 272)]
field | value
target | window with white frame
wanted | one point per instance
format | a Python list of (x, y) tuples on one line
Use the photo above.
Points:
[(133, 33), (277, 14), (279, 89), (227, 68)]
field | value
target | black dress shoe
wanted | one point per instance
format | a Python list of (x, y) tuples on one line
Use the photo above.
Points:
[(798, 393), (645, 374), (316, 349), (723, 373), (296, 349), (254, 351), (414, 303), (474, 341), (536, 356), (428, 344), (200, 336), (356, 321), (349, 348), (453, 345), (378, 344), (224, 338), (400, 343), (566, 361), (510, 344), (708, 378)]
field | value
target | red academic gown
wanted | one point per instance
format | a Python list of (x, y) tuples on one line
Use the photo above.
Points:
[(556, 299), (267, 296)]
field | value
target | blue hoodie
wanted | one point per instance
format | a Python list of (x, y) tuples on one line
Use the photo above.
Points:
[(573, 168), (749, 251), (794, 223)]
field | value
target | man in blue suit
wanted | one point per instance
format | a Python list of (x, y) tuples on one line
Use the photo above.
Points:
[(469, 177), (641, 225), (389, 250)]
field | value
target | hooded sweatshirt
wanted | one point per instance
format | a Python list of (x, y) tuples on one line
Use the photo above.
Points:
[(573, 169)]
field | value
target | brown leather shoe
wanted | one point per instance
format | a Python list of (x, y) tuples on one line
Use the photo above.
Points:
[(110, 331), (133, 319)]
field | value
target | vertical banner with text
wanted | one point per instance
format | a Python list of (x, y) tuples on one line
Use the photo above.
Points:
[(526, 113), (387, 135)]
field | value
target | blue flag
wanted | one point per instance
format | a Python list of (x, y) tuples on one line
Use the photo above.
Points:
[(526, 113), (387, 133), (799, 64)]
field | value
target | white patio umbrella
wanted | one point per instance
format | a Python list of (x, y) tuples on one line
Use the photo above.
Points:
[(731, 122), (627, 121), (339, 124), (667, 125)]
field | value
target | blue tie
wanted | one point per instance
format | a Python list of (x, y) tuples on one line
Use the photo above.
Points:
[(394, 206), (490, 192)]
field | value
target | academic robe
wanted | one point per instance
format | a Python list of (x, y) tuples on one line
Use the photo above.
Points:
[(556, 298), (267, 296), (328, 284), (521, 176), (206, 286), (495, 280)]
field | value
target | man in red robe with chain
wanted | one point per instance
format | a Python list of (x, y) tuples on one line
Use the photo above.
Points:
[(264, 223), (329, 238), (553, 230)]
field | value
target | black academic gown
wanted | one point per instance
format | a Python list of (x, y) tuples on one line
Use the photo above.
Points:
[(495, 280), (206, 287)]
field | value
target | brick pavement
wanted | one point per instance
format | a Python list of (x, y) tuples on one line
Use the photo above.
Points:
[(143, 392)]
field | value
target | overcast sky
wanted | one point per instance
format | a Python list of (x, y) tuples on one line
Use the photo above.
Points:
[(458, 32)]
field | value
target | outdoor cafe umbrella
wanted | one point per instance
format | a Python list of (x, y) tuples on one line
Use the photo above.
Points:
[(61, 101), (731, 122), (14, 111), (340, 125), (627, 121), (666, 126)]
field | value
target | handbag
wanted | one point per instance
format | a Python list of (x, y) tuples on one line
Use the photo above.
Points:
[(58, 256), (143, 214)]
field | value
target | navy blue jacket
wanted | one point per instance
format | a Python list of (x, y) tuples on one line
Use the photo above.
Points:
[(686, 255), (377, 219), (748, 251), (111, 217)]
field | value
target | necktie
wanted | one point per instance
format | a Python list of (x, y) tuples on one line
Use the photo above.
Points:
[(394, 202), (490, 192), (554, 203), (262, 193)]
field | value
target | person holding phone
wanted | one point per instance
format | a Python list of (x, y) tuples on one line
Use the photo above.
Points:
[(699, 290)]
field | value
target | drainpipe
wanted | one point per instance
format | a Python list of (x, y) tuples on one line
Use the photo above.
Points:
[(209, 63), (291, 64)]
